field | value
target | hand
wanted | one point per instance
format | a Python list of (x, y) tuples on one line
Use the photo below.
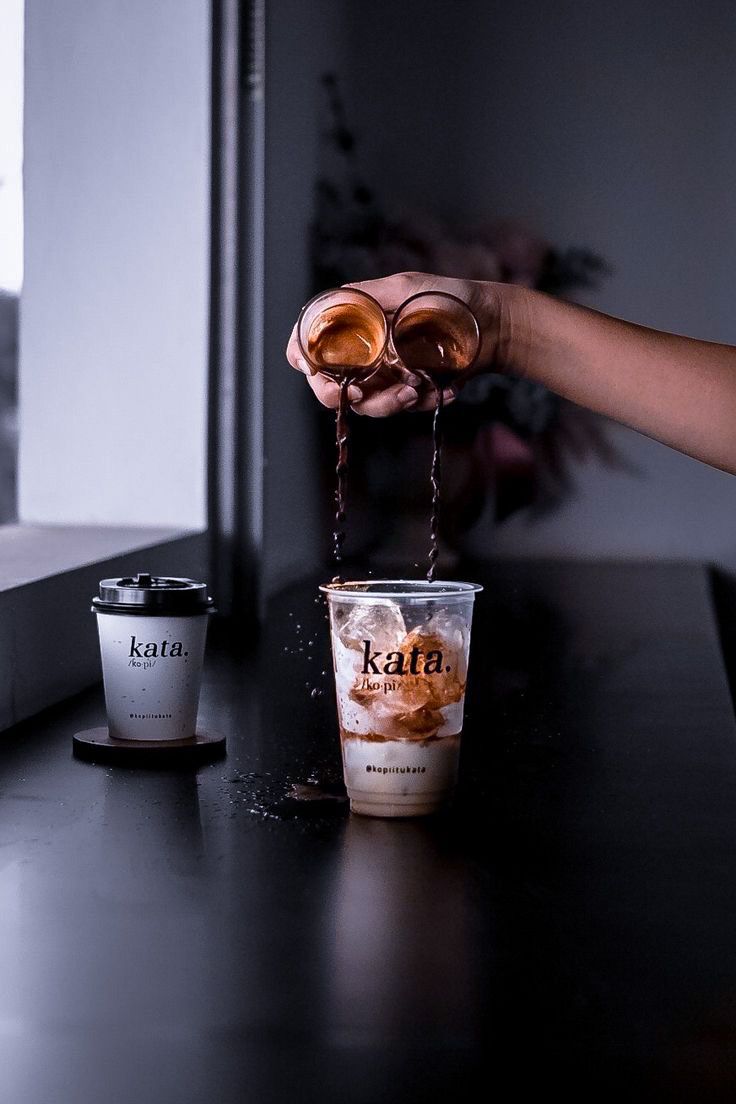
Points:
[(392, 388)]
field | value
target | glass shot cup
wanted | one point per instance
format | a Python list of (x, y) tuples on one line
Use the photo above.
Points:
[(343, 334), (435, 334), (400, 654)]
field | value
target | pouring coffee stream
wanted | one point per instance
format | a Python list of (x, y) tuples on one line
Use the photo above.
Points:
[(434, 523), (437, 336), (346, 339), (343, 334), (341, 471)]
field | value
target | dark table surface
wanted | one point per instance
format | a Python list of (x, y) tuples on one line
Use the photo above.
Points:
[(202, 936)]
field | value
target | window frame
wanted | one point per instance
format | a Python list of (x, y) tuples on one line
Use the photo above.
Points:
[(50, 572)]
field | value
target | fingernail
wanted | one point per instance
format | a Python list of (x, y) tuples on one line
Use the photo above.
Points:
[(415, 381), (354, 393), (407, 396)]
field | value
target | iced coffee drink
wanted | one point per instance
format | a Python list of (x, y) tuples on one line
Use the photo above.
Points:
[(400, 652)]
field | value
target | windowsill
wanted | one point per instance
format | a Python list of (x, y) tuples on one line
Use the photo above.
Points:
[(48, 576), (29, 553)]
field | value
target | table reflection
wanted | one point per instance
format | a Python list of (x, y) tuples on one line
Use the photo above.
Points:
[(152, 824), (401, 938)]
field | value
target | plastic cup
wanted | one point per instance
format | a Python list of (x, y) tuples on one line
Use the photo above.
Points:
[(400, 653)]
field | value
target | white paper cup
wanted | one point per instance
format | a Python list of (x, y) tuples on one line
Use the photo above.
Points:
[(152, 639), (400, 653)]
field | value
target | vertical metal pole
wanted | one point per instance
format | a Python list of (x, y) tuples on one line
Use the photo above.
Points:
[(252, 238), (235, 466)]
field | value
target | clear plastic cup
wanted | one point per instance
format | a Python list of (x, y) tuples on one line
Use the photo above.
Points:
[(400, 652)]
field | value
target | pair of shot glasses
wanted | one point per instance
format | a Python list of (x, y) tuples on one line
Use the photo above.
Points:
[(345, 333)]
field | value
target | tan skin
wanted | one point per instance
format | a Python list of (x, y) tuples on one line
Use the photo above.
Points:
[(675, 389)]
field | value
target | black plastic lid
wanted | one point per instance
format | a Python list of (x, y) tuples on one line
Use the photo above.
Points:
[(152, 595)]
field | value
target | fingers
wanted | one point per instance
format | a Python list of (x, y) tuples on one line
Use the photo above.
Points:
[(389, 400), (363, 396), (328, 392), (378, 404), (428, 401), (398, 398), (296, 358), (381, 403)]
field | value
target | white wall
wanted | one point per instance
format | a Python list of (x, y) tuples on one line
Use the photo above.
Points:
[(612, 125), (115, 299), (664, 505), (607, 125), (11, 145)]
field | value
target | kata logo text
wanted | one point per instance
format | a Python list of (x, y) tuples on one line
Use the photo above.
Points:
[(415, 662), (147, 652)]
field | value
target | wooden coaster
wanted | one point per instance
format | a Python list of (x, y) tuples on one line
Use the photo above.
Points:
[(96, 745)]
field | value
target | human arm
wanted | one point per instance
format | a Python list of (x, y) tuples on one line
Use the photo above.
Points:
[(675, 389)]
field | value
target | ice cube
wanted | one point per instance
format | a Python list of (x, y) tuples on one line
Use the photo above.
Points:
[(412, 692), (452, 629), (381, 623), (411, 705), (435, 688)]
